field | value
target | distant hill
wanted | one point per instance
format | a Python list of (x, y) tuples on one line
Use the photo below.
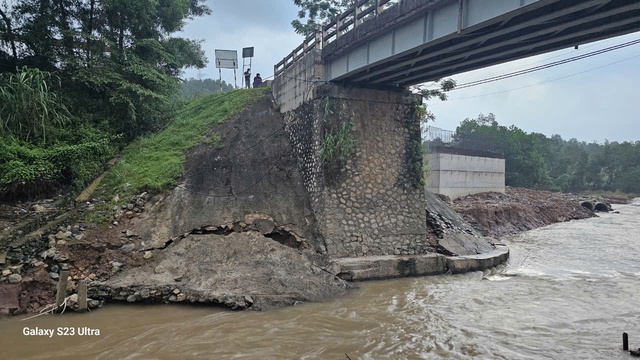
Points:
[(194, 87)]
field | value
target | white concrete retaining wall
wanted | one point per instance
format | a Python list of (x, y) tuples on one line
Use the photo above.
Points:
[(295, 85), (460, 175)]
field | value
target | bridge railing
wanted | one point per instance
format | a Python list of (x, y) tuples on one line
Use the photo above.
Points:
[(361, 11)]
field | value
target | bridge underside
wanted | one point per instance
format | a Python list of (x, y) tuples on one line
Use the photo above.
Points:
[(540, 27)]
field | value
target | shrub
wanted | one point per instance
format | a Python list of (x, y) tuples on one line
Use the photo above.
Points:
[(337, 145), (29, 107), (30, 170)]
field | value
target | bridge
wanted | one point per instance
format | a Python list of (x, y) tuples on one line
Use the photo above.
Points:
[(377, 44), (348, 84)]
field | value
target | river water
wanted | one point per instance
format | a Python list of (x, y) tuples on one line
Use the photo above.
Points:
[(568, 292)]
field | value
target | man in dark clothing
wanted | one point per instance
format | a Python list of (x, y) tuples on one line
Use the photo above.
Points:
[(257, 81), (247, 78)]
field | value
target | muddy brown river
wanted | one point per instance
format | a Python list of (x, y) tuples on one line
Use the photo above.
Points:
[(568, 292)]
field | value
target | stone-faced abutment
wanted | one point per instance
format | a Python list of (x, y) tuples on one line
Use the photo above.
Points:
[(359, 154)]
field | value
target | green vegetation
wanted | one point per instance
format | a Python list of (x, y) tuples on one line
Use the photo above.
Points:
[(29, 107), (81, 79), (37, 153), (415, 162), (536, 161), (153, 163), (317, 13), (337, 145)]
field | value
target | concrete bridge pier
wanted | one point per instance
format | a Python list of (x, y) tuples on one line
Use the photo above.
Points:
[(369, 200)]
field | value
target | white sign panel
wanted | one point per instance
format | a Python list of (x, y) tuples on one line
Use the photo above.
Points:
[(226, 59)]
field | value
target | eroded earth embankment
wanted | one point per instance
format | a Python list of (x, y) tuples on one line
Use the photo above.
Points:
[(237, 230), (519, 209)]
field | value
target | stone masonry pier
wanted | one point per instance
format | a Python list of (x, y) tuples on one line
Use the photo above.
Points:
[(369, 203)]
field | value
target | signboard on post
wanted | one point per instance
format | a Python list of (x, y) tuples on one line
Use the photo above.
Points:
[(247, 52), (227, 59)]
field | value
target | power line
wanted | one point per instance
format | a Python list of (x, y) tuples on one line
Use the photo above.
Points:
[(546, 66), (547, 81), (564, 53), (540, 67)]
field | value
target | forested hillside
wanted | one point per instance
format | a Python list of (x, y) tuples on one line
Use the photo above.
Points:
[(81, 78), (536, 161)]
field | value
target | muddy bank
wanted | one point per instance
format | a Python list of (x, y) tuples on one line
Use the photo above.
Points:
[(519, 209)]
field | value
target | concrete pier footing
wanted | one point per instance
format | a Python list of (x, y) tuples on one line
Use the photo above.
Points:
[(394, 266)]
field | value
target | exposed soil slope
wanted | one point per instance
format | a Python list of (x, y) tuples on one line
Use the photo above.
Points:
[(237, 230), (519, 209)]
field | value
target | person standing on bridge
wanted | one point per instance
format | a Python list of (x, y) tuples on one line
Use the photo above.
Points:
[(247, 78)]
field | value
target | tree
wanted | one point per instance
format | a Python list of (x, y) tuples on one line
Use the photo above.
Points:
[(524, 166), (117, 56), (115, 64), (437, 89), (317, 13)]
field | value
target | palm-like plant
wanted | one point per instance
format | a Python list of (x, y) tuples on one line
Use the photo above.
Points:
[(28, 106)]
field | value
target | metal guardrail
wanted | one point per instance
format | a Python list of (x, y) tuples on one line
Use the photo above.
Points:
[(361, 11), (431, 133)]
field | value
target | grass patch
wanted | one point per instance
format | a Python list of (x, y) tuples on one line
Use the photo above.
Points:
[(154, 163)]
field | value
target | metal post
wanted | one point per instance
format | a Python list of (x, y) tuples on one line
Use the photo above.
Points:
[(460, 16), (220, 71), (625, 341)]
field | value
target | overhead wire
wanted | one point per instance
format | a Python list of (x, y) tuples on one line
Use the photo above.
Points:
[(547, 81), (561, 53), (546, 66), (540, 67)]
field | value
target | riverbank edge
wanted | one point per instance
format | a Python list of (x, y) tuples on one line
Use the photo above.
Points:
[(399, 266)]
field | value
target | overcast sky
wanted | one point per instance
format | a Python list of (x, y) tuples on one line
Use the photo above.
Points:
[(593, 99)]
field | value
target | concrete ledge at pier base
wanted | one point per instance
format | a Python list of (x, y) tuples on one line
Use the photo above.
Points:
[(390, 266), (462, 264), (396, 266)]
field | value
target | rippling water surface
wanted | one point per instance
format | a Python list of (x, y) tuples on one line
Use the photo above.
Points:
[(568, 292)]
